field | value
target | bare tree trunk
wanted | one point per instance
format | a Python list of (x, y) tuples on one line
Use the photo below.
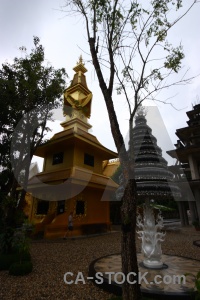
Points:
[(22, 202), (128, 244), (128, 209), (14, 188)]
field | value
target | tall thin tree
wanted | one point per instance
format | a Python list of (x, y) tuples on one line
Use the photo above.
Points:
[(129, 48), (29, 90)]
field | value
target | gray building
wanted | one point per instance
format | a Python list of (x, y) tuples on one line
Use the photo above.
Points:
[(187, 167)]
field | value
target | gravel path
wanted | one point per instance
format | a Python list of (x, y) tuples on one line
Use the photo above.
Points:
[(52, 259)]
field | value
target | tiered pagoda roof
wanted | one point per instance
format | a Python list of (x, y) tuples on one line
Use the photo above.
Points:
[(151, 172), (189, 137)]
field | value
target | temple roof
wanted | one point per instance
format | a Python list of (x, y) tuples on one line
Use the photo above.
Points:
[(189, 137), (80, 137), (64, 178), (153, 178)]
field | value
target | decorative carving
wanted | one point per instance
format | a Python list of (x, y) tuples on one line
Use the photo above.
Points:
[(74, 104), (151, 236), (77, 97), (77, 114)]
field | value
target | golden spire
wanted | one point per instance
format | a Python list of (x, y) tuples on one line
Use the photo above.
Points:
[(77, 96), (80, 66), (80, 60)]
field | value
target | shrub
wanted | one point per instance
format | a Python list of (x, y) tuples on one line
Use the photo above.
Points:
[(21, 244), (196, 224), (21, 268), (6, 260), (25, 256), (6, 239), (196, 288)]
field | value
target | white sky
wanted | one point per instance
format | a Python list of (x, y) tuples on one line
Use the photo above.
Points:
[(64, 40)]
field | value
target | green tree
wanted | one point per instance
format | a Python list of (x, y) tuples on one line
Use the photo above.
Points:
[(29, 89), (129, 48)]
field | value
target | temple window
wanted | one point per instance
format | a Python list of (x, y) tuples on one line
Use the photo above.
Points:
[(80, 207), (42, 207), (61, 207), (89, 160), (57, 158)]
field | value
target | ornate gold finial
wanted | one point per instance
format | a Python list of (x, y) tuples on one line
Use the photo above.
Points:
[(80, 60)]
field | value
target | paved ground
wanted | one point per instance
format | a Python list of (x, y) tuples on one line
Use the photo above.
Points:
[(52, 260), (167, 283)]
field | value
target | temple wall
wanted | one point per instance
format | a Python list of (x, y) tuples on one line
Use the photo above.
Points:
[(67, 160), (79, 159), (97, 211), (94, 219)]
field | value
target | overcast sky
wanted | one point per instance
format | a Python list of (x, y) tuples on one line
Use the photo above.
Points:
[(64, 40)]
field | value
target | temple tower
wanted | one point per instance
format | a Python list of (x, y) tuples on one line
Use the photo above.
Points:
[(72, 178), (77, 100), (154, 179)]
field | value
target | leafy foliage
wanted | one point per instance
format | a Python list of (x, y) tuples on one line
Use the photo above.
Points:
[(196, 224), (21, 242), (29, 90), (6, 260), (20, 269), (196, 284), (131, 40), (6, 238)]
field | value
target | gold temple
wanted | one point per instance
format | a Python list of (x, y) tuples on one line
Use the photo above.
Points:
[(73, 177)]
